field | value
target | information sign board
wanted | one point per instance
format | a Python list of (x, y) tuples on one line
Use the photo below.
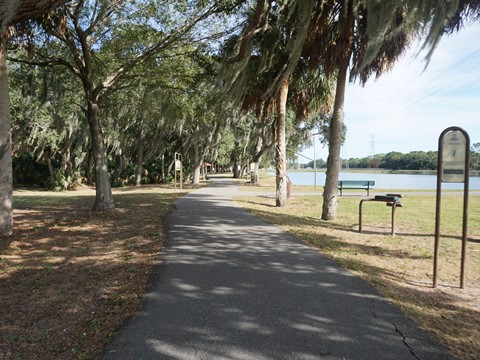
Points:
[(453, 159), (452, 167), (178, 165)]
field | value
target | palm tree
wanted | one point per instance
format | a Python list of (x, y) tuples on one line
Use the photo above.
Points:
[(14, 11), (340, 41), (267, 42), (364, 37), (370, 37)]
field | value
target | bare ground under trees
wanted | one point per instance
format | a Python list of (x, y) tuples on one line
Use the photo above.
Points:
[(71, 276)]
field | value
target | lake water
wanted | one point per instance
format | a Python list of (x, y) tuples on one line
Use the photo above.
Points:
[(382, 181)]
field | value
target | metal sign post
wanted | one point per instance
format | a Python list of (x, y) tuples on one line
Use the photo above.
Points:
[(179, 168), (453, 166)]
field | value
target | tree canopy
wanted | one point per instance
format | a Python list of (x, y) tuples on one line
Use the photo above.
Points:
[(349, 39), (14, 11), (106, 92)]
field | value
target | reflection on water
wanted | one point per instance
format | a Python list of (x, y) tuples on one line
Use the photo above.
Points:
[(382, 181)]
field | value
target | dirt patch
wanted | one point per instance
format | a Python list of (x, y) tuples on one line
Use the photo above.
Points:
[(70, 276)]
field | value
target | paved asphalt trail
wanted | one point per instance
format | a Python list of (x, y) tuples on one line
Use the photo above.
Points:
[(232, 286)]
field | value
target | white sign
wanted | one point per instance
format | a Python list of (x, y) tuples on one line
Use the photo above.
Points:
[(454, 147), (178, 165)]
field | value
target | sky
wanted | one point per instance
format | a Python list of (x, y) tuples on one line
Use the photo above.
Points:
[(408, 108)]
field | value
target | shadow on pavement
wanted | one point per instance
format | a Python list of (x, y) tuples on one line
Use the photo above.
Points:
[(235, 287)]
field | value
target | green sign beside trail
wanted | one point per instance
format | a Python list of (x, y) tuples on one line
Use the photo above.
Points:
[(453, 166), (454, 144)]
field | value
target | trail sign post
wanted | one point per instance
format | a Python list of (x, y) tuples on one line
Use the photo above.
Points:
[(179, 169), (453, 166)]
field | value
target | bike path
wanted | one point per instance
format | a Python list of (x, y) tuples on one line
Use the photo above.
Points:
[(232, 286)]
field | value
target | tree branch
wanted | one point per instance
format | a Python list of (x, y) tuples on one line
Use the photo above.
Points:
[(26, 9), (250, 31), (117, 75), (47, 62)]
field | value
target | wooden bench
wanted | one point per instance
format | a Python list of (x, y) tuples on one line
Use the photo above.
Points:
[(355, 184)]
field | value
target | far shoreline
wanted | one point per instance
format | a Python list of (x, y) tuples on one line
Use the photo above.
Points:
[(376, 171)]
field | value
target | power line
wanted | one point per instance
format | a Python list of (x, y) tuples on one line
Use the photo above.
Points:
[(446, 96), (451, 82)]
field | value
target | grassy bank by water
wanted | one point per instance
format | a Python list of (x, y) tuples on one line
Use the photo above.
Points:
[(383, 171), (370, 171), (400, 266)]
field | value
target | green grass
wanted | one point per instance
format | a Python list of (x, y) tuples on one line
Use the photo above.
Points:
[(399, 266)]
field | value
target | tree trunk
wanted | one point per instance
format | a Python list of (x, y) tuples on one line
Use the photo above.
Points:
[(90, 168), (196, 175), (281, 146), (256, 162), (6, 217), (254, 166), (66, 165), (330, 198), (118, 167), (51, 170), (236, 170), (139, 171), (256, 171), (241, 170), (103, 190), (197, 164), (164, 179)]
